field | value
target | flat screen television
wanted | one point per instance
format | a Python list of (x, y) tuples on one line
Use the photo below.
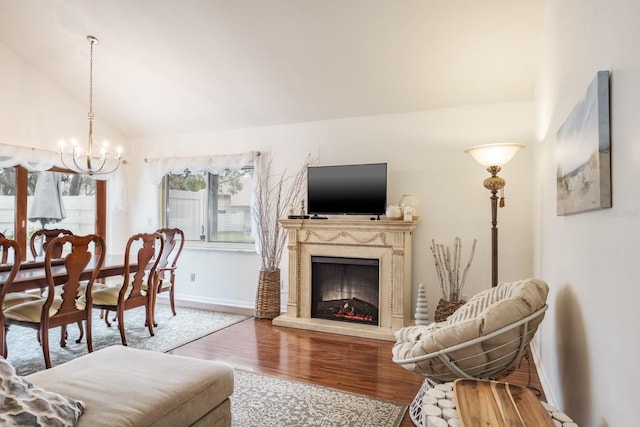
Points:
[(347, 189)]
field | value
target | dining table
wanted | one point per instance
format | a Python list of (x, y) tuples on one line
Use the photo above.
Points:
[(31, 275)]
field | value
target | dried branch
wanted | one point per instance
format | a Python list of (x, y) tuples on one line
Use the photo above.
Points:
[(448, 270), (271, 204)]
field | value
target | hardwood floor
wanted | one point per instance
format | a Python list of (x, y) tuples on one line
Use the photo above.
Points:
[(352, 364)]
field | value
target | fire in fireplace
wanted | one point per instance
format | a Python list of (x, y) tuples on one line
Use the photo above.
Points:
[(345, 289)]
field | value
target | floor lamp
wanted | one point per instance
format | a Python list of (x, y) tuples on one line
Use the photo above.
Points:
[(494, 156)]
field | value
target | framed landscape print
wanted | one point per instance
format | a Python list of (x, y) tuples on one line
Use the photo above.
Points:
[(584, 152)]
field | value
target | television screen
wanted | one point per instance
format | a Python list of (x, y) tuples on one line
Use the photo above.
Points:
[(347, 189)]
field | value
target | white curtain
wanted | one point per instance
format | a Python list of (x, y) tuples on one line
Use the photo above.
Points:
[(158, 168), (40, 160), (216, 164)]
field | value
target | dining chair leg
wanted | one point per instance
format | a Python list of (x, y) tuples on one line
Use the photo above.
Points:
[(172, 301), (106, 318), (81, 329), (150, 319), (89, 334), (63, 336), (121, 326), (45, 347), (3, 330)]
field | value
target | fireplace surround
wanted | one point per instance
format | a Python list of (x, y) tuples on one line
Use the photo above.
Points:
[(386, 242)]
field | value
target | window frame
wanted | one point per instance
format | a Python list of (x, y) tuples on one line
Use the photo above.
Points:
[(195, 244)]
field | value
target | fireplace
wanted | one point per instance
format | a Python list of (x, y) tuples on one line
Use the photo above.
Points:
[(345, 289), (381, 248)]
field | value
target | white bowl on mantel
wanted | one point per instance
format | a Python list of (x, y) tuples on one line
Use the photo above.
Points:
[(393, 212)]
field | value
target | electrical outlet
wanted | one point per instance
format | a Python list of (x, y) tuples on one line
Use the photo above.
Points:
[(193, 277)]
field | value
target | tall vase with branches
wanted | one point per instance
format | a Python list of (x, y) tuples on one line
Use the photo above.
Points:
[(273, 196)]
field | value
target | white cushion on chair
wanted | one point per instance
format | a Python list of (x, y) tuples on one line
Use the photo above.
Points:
[(533, 296), (15, 298), (32, 311), (108, 295)]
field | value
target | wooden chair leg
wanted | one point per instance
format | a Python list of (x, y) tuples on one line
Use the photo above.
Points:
[(3, 330), (106, 318), (63, 336), (172, 301), (89, 333), (81, 330), (45, 348), (121, 326), (149, 311)]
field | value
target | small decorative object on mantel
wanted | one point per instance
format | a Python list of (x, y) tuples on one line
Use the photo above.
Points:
[(409, 205), (274, 200), (451, 281), (393, 212)]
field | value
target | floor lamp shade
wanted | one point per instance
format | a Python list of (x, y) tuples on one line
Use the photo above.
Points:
[(494, 154)]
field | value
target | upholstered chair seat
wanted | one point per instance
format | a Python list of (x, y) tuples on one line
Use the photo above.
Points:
[(31, 311), (108, 295), (15, 298)]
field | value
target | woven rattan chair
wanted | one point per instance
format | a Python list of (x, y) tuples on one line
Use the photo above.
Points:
[(483, 339)]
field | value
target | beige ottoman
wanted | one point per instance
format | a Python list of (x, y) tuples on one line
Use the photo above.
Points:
[(123, 386)]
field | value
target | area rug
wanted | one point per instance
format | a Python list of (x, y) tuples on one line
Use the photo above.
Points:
[(25, 354), (266, 401)]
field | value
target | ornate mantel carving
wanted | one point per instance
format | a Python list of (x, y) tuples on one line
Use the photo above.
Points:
[(387, 241)]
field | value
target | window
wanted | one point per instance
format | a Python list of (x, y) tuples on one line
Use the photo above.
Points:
[(31, 200), (210, 207), (8, 202), (61, 200)]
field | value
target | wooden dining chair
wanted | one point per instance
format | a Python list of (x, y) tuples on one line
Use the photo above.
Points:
[(166, 271), (138, 288), (10, 260), (8, 248), (64, 307), (45, 236)]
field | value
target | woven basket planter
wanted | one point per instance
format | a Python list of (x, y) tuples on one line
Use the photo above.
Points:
[(268, 294), (446, 308)]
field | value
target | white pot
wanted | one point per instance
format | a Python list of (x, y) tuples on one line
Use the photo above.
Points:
[(393, 212)]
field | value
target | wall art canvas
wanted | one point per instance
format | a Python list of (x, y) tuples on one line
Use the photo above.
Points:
[(584, 152)]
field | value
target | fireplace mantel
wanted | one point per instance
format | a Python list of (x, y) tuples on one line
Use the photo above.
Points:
[(388, 241)]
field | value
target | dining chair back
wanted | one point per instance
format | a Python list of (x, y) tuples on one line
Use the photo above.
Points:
[(138, 288), (61, 305), (168, 262), (45, 236), (10, 254)]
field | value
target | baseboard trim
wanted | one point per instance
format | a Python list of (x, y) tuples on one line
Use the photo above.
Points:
[(209, 305), (542, 375)]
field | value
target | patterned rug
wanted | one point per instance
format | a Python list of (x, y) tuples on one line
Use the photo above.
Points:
[(265, 401), (25, 354)]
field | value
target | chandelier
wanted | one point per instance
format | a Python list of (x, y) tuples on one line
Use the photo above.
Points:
[(92, 162)]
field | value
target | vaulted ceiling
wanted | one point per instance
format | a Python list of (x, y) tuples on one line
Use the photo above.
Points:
[(180, 66)]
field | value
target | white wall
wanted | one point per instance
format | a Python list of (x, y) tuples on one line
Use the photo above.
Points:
[(424, 152), (589, 343)]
